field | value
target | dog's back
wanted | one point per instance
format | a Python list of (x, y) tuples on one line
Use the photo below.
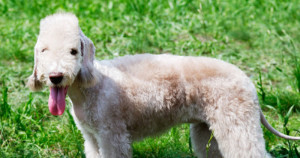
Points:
[(156, 67)]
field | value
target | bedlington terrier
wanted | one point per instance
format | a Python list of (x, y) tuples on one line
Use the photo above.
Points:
[(116, 102)]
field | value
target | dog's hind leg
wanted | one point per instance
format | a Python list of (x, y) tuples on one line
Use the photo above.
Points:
[(200, 135), (236, 126)]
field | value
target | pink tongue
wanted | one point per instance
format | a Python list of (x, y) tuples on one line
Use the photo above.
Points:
[(57, 101)]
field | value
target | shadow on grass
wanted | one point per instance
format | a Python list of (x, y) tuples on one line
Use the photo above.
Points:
[(285, 98), (160, 152)]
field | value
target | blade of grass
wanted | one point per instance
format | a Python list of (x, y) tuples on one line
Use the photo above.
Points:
[(209, 143), (5, 109)]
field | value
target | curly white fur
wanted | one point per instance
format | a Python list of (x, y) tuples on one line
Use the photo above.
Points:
[(116, 102)]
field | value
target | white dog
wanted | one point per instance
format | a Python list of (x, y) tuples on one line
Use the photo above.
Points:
[(116, 102)]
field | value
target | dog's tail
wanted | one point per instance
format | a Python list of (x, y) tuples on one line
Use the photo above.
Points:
[(274, 131)]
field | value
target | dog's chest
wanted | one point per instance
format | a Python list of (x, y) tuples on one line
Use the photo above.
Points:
[(83, 123)]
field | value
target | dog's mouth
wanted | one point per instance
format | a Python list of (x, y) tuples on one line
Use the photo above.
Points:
[(57, 102)]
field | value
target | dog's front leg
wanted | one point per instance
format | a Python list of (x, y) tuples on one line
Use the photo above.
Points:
[(91, 148), (114, 143)]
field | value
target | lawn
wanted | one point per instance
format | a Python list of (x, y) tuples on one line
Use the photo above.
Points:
[(261, 37)]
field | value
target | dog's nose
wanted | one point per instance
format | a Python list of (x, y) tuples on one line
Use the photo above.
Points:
[(56, 77)]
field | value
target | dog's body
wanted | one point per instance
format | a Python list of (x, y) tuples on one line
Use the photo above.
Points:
[(116, 102), (144, 95)]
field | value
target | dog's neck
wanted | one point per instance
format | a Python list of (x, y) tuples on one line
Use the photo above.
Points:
[(82, 98)]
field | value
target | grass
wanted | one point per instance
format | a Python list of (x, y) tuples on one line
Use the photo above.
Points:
[(260, 37)]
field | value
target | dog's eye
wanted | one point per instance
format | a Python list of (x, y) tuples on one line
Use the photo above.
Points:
[(43, 50), (73, 51)]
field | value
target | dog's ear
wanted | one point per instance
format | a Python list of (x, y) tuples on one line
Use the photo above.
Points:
[(33, 83), (88, 75)]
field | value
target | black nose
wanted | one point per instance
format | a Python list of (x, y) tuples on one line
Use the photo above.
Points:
[(56, 77)]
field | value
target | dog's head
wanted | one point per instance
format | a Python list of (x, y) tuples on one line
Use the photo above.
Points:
[(63, 56)]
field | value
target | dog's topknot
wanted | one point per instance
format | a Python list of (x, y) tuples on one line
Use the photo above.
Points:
[(66, 23)]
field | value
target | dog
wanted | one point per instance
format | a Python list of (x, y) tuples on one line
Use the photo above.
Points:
[(116, 102)]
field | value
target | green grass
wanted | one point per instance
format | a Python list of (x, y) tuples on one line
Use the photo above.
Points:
[(259, 36)]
